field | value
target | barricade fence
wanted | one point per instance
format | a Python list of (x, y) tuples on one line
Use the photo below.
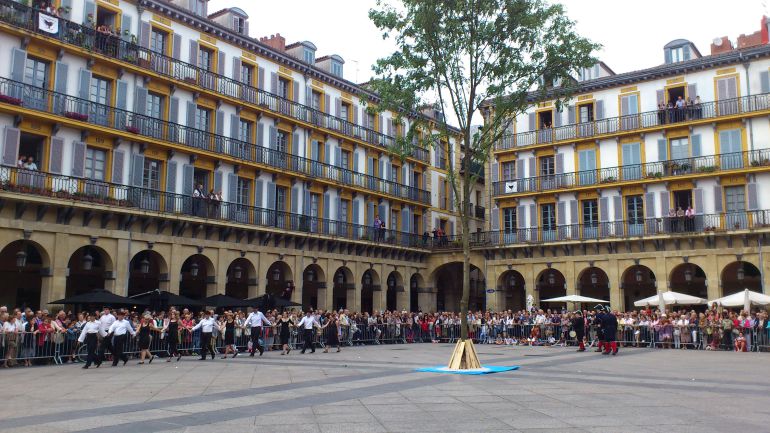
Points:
[(63, 347)]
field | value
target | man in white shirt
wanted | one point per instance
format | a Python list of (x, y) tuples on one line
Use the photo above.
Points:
[(90, 336), (119, 331), (307, 324), (255, 321), (206, 326), (105, 321)]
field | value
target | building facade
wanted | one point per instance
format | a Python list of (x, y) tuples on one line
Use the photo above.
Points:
[(643, 181), (122, 119)]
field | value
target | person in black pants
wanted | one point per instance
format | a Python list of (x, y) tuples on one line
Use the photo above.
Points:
[(207, 327), (89, 336), (119, 332), (308, 324)]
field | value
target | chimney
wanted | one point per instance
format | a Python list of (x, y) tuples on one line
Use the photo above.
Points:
[(748, 41), (721, 45), (276, 42)]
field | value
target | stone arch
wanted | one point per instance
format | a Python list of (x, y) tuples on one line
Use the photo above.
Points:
[(313, 279), (241, 274), (197, 274), (22, 285), (740, 275), (416, 286), (394, 289), (550, 283), (690, 279), (594, 283), (638, 282), (448, 281), (89, 267), (370, 283), (511, 289), (148, 271), (343, 285), (280, 280)]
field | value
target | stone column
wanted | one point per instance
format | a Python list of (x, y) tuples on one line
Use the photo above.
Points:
[(613, 275), (175, 261), (222, 263)]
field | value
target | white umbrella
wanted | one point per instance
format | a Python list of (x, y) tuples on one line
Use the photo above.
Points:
[(745, 298), (669, 298), (574, 298)]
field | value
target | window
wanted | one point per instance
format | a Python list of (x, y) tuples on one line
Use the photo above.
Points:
[(283, 88), (36, 72), (394, 173), (635, 209), (509, 170), (242, 191), (316, 100), (206, 59), (393, 223), (632, 160), (199, 7), (590, 213), (370, 121), (247, 74), (158, 41), (547, 167), (151, 174), (309, 56), (735, 199), (244, 130), (730, 148), (202, 119), (315, 204), (344, 206), (281, 141), (509, 219), (344, 110), (677, 54), (586, 113), (680, 148), (100, 91), (337, 69), (280, 198), (95, 162), (548, 217), (239, 25), (155, 106), (587, 166), (345, 163)]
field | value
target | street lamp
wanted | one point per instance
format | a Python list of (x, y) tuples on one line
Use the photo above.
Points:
[(367, 279), (512, 282), (194, 270), (551, 278), (276, 274), (21, 258), (144, 266), (310, 275), (594, 278), (237, 272), (340, 278), (391, 281), (688, 275), (87, 261), (638, 276), (741, 274), (414, 283)]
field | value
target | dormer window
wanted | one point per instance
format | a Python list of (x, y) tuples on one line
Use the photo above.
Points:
[(309, 56), (677, 54), (239, 25), (337, 69), (680, 50)]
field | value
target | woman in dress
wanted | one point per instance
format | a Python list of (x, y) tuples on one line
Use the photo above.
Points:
[(228, 328), (146, 325), (172, 336), (284, 324), (332, 330)]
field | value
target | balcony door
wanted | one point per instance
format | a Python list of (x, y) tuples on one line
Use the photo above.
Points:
[(730, 149), (36, 74), (632, 161), (587, 166), (735, 207)]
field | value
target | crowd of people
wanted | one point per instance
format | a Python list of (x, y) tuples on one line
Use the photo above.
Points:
[(41, 337), (680, 110)]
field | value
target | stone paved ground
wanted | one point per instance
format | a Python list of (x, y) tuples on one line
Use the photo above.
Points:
[(374, 389)]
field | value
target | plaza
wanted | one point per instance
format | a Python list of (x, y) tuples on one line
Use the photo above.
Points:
[(375, 389)]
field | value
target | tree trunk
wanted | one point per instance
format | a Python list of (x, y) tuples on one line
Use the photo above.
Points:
[(464, 220)]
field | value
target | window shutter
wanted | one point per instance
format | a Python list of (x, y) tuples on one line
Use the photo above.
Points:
[(696, 147), (121, 101), (237, 69), (355, 218), (327, 104), (533, 216), (260, 135), (384, 216), (12, 136), (338, 107), (660, 96), (176, 50), (222, 58), (451, 204), (451, 230), (561, 213), (692, 91), (381, 170), (171, 177), (78, 159), (234, 124), (405, 174), (405, 220), (218, 183), (294, 199), (89, 9), (193, 53), (370, 166), (85, 84), (258, 186), (753, 202), (520, 169), (338, 209), (338, 156), (314, 150), (274, 83), (532, 167), (118, 158), (271, 192), (571, 115), (261, 78), (191, 114), (649, 205), (295, 93), (532, 121), (764, 82), (140, 101), (220, 122), (573, 212), (599, 115), (327, 206), (125, 27), (665, 203), (380, 124), (327, 153), (495, 215), (173, 110), (137, 170), (57, 147), (559, 163), (273, 137), (62, 70), (232, 186), (697, 194), (494, 172), (295, 144), (718, 208), (145, 30), (686, 52), (308, 96), (617, 204), (604, 209), (188, 174), (667, 55), (369, 213), (662, 149), (557, 117)]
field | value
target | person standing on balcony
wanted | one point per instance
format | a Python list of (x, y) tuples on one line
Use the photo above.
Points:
[(377, 227), (680, 221), (198, 196), (680, 106), (21, 162), (661, 114), (689, 215), (30, 164), (697, 108)]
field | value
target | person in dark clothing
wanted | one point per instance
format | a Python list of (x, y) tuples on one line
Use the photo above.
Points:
[(579, 327), (609, 326)]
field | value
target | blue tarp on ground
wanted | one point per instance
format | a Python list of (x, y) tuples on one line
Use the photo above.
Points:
[(488, 369)]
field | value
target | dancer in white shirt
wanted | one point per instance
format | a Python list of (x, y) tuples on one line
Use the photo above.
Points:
[(256, 320), (105, 321), (90, 336), (118, 332), (307, 324), (206, 326)]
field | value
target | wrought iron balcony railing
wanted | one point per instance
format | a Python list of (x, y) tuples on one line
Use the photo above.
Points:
[(641, 121), (39, 99), (97, 192), (636, 172), (26, 18)]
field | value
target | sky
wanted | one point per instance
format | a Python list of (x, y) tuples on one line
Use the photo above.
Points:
[(632, 33)]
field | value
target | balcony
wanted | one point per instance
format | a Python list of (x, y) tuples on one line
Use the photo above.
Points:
[(16, 94), (698, 113), (621, 230), (92, 192), (116, 49), (649, 171), (480, 212)]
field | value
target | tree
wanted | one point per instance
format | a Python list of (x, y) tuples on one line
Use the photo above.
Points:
[(473, 57)]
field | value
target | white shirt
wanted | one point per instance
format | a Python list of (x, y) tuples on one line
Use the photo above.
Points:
[(120, 327), (104, 324), (307, 322), (10, 327), (206, 324), (256, 319), (88, 328)]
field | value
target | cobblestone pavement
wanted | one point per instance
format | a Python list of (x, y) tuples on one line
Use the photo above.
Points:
[(375, 389)]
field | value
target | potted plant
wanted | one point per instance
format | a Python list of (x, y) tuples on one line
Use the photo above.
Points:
[(190, 80), (132, 129), (76, 116), (129, 58), (10, 100)]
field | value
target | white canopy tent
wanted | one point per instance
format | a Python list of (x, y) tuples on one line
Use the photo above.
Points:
[(574, 298), (669, 298), (746, 298)]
